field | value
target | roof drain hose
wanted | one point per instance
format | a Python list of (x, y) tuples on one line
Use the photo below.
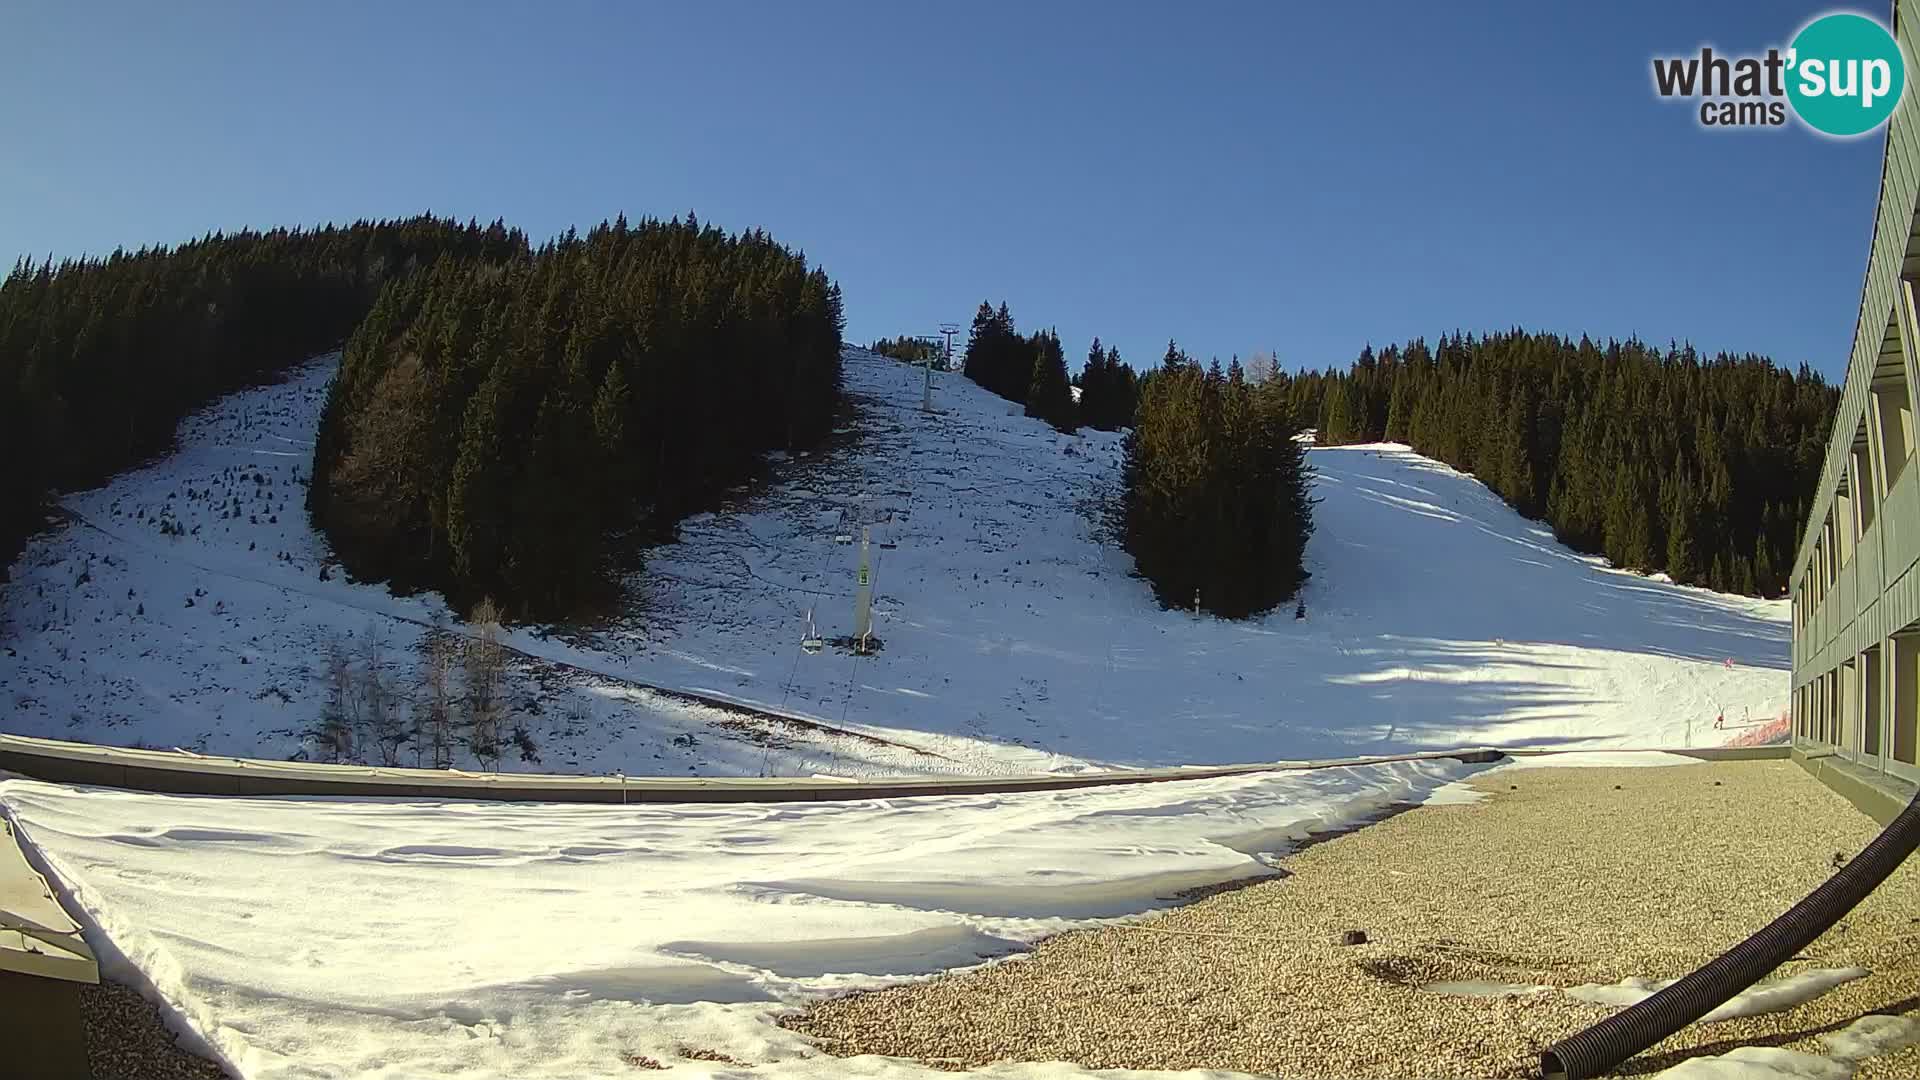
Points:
[(1613, 1040)]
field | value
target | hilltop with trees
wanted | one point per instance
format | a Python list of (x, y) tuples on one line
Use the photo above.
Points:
[(1031, 370), (1660, 460), (498, 407), (494, 423), (100, 358)]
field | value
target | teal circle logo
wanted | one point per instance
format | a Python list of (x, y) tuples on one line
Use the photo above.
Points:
[(1845, 74)]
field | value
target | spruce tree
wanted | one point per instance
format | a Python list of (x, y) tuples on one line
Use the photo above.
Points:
[(1049, 395), (1338, 423), (1683, 555), (980, 344), (1125, 387)]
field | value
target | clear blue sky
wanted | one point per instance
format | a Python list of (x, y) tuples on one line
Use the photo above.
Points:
[(1259, 175)]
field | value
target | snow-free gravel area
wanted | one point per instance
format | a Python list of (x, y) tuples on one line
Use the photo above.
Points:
[(1592, 880)]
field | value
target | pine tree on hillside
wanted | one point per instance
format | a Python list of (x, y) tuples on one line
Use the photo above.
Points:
[(974, 362), (1107, 389), (1094, 375), (1400, 405), (1096, 381), (1124, 387), (1337, 425), (1049, 395), (1683, 554), (610, 408), (1175, 359), (1013, 358), (997, 357)]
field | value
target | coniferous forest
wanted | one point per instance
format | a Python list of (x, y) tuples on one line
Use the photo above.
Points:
[(911, 350), (608, 382), (495, 422), (1660, 460), (1049, 392), (1031, 370), (1215, 505), (997, 357), (1108, 389), (100, 358)]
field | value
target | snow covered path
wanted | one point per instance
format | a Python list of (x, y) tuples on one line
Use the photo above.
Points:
[(309, 937)]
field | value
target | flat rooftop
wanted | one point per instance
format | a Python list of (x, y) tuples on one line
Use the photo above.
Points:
[(1511, 909)]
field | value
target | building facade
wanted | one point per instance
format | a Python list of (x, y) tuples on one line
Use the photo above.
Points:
[(1856, 585)]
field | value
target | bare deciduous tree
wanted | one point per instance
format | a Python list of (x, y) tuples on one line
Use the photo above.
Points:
[(1261, 366), (433, 711), (334, 736), (382, 698), (483, 665)]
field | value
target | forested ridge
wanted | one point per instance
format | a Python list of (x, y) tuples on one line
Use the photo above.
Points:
[(501, 410), (498, 408), (494, 422), (101, 357), (1661, 460), (1658, 459)]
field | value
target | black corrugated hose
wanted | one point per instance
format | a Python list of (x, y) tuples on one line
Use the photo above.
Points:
[(1626, 1033)]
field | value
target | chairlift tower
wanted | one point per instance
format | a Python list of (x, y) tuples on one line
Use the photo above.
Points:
[(863, 595), (947, 330)]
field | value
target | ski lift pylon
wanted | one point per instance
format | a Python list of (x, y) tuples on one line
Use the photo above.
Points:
[(811, 642)]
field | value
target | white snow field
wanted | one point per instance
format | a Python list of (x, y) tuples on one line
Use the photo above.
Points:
[(1014, 639), (1763, 997), (309, 937)]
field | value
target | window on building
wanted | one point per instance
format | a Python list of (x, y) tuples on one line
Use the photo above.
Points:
[(1866, 484), (1846, 526), (1871, 717), (1895, 409), (1903, 719)]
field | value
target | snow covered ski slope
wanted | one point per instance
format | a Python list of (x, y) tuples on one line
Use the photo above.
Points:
[(1437, 617), (1014, 639)]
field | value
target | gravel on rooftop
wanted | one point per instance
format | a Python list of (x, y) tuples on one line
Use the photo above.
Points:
[(127, 1040), (1559, 877)]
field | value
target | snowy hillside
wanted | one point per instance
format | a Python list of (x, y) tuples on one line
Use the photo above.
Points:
[(1014, 640)]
